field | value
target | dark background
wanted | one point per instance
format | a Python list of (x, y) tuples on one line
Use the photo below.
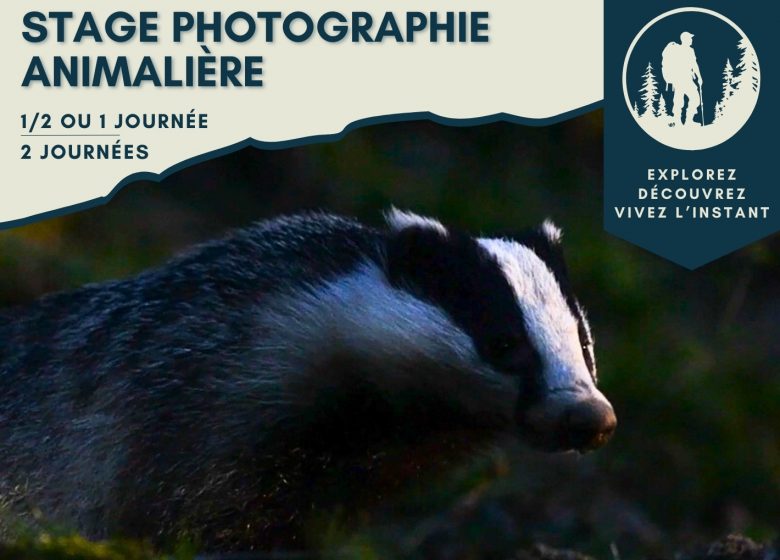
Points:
[(689, 359)]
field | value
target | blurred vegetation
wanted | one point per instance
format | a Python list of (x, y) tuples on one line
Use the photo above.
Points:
[(47, 546), (689, 359)]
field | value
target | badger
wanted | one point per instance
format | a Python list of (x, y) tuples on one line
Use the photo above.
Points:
[(236, 389)]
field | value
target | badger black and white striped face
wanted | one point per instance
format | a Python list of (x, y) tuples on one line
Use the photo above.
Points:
[(512, 299)]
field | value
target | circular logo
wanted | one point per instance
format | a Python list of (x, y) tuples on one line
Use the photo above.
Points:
[(691, 78)]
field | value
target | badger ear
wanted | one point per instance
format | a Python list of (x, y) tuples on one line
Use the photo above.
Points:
[(415, 250), (551, 232), (399, 220)]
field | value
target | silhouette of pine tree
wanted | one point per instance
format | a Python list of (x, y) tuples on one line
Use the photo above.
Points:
[(649, 91), (662, 111), (747, 67), (728, 90)]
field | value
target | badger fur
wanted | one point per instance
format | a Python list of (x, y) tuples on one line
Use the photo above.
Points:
[(217, 395)]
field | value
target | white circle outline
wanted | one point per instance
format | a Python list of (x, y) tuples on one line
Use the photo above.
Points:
[(650, 24)]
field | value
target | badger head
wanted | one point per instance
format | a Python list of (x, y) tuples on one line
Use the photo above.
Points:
[(513, 325)]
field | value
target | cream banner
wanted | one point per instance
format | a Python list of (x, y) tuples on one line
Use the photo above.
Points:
[(96, 95)]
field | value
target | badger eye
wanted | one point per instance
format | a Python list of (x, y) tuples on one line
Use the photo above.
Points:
[(510, 354)]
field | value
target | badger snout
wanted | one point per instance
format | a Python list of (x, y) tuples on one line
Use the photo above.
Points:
[(588, 424), (566, 421)]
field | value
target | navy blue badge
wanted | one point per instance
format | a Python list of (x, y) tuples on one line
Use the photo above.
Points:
[(690, 97)]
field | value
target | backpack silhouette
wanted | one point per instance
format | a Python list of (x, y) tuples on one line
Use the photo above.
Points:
[(673, 64)]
